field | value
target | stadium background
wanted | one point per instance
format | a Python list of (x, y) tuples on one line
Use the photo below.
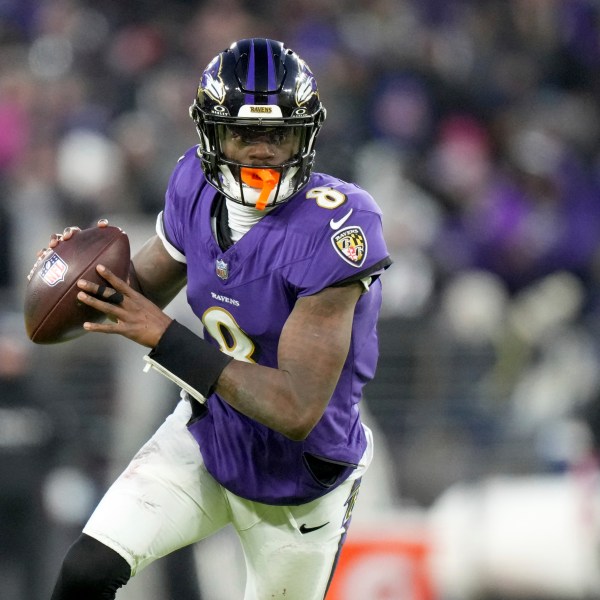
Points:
[(475, 124)]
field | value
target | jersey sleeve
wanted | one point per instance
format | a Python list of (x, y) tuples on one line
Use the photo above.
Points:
[(170, 223), (173, 251), (355, 251)]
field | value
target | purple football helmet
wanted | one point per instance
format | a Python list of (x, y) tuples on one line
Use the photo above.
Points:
[(257, 87)]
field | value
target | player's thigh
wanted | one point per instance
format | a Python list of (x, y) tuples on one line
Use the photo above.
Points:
[(291, 552), (164, 500)]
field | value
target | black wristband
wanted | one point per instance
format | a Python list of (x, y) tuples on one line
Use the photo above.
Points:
[(190, 358)]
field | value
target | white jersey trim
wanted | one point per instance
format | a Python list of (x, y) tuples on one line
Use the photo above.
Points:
[(160, 232)]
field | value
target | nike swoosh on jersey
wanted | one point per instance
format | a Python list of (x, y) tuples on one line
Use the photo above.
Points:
[(305, 529), (337, 224)]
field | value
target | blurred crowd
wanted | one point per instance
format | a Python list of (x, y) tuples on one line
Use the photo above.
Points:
[(474, 123)]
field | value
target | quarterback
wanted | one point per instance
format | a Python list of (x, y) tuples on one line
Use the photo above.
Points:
[(282, 267)]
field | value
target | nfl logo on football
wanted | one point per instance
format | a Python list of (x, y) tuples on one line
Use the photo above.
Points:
[(54, 270), (222, 269)]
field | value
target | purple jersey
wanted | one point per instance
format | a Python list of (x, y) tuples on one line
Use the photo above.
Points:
[(328, 233)]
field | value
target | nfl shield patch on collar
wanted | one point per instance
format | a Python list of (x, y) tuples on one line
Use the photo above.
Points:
[(222, 269)]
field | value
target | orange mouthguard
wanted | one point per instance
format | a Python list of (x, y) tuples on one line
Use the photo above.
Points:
[(263, 179)]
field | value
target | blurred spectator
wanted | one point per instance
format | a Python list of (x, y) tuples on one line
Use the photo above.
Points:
[(27, 432), (535, 214)]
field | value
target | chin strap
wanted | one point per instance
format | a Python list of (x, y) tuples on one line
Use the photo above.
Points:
[(264, 179)]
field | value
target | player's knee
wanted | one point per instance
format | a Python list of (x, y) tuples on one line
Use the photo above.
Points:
[(91, 570)]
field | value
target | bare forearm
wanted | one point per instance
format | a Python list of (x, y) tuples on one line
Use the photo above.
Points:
[(263, 394), (292, 398), (270, 397)]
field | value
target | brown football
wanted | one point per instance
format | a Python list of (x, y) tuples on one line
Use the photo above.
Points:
[(51, 309)]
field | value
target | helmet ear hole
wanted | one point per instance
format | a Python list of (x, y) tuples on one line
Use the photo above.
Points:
[(252, 84)]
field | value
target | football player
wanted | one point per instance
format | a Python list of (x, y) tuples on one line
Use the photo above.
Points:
[(282, 269)]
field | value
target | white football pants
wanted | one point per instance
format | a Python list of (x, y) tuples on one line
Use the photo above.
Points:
[(166, 499)]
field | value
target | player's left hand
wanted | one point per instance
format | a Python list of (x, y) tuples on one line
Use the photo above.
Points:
[(132, 315)]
